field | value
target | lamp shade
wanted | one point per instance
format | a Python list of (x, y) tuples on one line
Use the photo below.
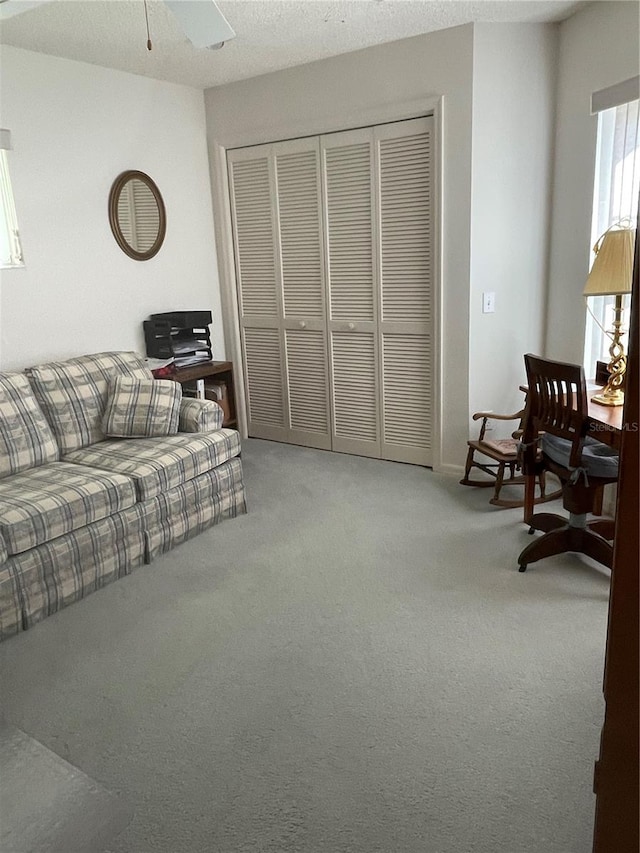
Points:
[(5, 139), (613, 265)]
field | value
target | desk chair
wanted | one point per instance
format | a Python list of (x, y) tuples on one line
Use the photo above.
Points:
[(556, 420)]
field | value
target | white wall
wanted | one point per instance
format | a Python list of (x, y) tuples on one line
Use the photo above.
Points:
[(599, 46), (514, 82), (376, 84), (75, 127)]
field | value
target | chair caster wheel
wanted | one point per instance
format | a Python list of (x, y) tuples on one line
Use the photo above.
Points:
[(522, 567), (531, 531)]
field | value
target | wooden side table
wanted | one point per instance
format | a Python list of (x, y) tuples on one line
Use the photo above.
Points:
[(215, 371)]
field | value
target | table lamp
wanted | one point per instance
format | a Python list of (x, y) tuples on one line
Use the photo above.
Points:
[(611, 276)]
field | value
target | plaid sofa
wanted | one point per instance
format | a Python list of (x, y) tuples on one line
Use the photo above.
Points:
[(78, 510)]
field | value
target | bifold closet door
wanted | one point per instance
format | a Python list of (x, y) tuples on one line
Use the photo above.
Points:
[(299, 223), (379, 260), (348, 175), (252, 188), (276, 214), (334, 259), (404, 217)]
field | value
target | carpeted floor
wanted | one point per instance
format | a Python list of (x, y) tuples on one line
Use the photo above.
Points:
[(49, 806), (354, 667)]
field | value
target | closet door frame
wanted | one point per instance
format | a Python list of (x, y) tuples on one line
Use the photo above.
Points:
[(221, 147)]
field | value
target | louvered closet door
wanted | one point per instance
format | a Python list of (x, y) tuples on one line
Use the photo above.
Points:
[(252, 190), (348, 175), (299, 222), (334, 257), (404, 182)]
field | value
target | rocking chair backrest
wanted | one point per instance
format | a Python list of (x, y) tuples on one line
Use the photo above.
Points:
[(556, 402)]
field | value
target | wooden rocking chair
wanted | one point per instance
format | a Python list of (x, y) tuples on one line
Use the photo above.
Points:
[(504, 454)]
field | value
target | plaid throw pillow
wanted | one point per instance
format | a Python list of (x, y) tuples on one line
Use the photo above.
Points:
[(138, 408), (73, 394), (26, 440)]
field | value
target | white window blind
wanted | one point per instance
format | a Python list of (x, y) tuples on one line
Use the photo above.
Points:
[(615, 197), (10, 250)]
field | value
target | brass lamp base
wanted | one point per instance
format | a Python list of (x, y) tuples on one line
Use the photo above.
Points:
[(615, 397), (612, 393)]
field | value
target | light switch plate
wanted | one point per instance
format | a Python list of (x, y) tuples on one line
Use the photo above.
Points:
[(488, 303)]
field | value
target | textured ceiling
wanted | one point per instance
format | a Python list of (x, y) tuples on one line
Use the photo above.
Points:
[(270, 34)]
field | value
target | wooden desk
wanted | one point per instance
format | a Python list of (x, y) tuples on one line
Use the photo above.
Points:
[(606, 423), (212, 370)]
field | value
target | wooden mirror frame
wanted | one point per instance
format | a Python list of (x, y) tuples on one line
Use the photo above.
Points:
[(114, 196)]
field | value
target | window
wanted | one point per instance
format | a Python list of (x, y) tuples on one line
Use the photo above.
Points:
[(615, 197), (10, 250)]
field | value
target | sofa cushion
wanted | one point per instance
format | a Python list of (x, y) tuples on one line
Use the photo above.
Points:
[(11, 613), (72, 566), (158, 464), (73, 394), (43, 503), (3, 551), (139, 408), (193, 506), (26, 440)]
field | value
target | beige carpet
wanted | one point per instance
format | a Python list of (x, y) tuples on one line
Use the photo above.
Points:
[(356, 666), (49, 806)]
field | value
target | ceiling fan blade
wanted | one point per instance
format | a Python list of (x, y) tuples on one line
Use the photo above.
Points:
[(9, 8), (203, 23)]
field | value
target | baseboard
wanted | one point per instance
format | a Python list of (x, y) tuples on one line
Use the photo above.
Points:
[(451, 470)]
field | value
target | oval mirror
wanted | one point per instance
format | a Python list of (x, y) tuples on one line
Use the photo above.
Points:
[(137, 215)]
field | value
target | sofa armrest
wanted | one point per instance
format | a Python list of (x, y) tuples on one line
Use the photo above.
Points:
[(4, 554), (199, 415)]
